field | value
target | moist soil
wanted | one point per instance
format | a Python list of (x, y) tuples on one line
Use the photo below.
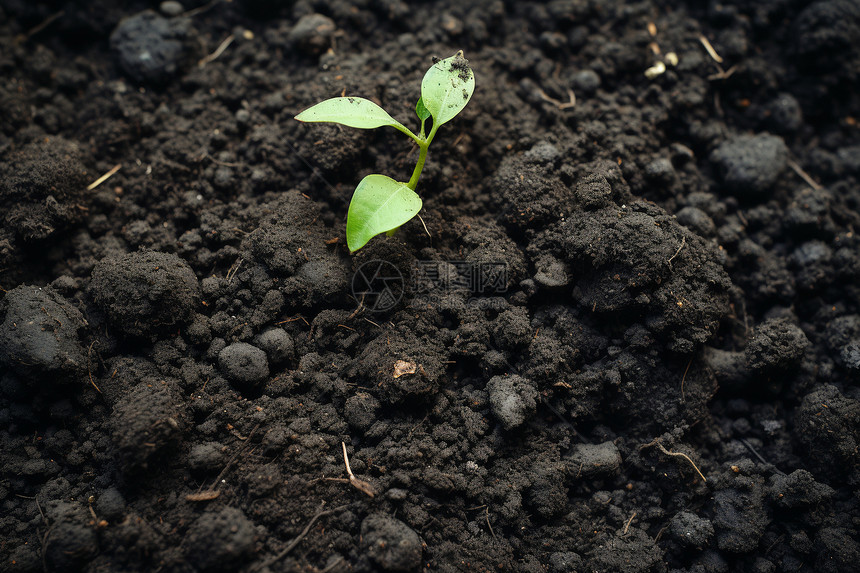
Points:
[(624, 335)]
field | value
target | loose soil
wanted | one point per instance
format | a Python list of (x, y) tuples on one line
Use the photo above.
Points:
[(664, 377)]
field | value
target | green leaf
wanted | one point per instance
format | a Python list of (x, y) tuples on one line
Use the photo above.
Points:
[(447, 88), (350, 111), (421, 111), (378, 205)]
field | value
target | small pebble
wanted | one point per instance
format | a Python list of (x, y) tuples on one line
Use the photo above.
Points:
[(171, 8)]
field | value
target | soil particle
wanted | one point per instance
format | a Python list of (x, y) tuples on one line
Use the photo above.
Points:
[(776, 345), (801, 543), (551, 273), (809, 215), (145, 293), (711, 561), (145, 422), (244, 364), (812, 264), (485, 245), (282, 245), (361, 411), (750, 164), (669, 274), (206, 457), (44, 192), (312, 33), (593, 192), (71, 541), (828, 424), (219, 540), (111, 504), (689, 529), (526, 197), (783, 114), (511, 329), (594, 460), (564, 561), (391, 544), (199, 332), (461, 65), (26, 559), (543, 152), (697, 221), (636, 552), (547, 495), (512, 400), (739, 518), (729, 367), (838, 550), (264, 481), (850, 357), (585, 82), (798, 490), (137, 541), (278, 346), (661, 172), (826, 35), (39, 334), (376, 366), (767, 278), (841, 336), (152, 49)]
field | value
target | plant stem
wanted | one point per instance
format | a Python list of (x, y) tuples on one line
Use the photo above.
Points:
[(422, 156), (404, 129)]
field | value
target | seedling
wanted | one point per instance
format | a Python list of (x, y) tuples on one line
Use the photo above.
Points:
[(379, 203)]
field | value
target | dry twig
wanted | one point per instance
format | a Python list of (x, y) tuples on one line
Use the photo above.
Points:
[(89, 367), (804, 175), (627, 525), (683, 378), (710, 49), (104, 177), (38, 28), (425, 227), (559, 104), (361, 485), (683, 243), (292, 544), (675, 454), (218, 51), (212, 491)]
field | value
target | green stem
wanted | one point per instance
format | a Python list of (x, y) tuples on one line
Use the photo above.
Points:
[(404, 129), (422, 156)]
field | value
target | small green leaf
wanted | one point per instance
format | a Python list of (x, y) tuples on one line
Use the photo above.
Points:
[(422, 112), (379, 204), (447, 88), (350, 111)]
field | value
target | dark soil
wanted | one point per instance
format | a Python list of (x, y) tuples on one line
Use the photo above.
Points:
[(666, 377)]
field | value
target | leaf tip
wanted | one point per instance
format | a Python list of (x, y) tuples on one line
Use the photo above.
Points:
[(354, 244)]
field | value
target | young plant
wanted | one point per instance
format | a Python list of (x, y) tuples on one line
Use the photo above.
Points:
[(380, 204)]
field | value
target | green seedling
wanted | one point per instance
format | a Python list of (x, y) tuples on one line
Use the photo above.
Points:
[(379, 203)]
